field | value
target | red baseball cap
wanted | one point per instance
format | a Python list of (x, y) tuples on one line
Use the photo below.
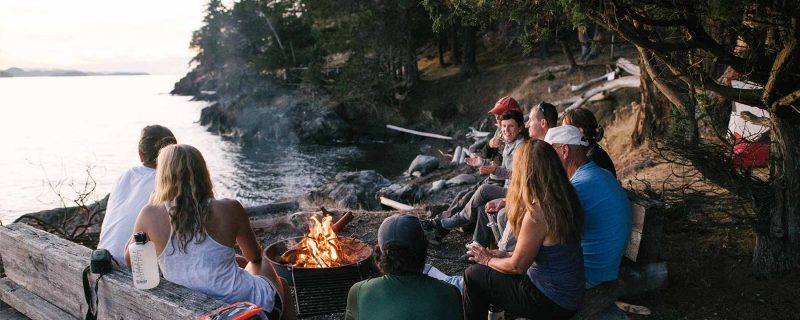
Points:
[(504, 104)]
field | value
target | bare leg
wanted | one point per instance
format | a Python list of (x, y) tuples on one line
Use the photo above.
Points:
[(264, 268)]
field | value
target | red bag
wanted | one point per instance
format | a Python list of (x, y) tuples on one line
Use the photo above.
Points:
[(237, 311)]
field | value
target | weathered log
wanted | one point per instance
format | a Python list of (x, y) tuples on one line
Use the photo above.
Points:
[(12, 314), (629, 67), (608, 77), (624, 82), (51, 268), (272, 208), (395, 205), (571, 100), (29, 304), (419, 133)]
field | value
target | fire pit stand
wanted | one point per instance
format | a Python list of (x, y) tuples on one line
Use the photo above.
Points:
[(320, 290)]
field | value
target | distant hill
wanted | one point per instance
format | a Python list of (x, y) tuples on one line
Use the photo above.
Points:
[(19, 72)]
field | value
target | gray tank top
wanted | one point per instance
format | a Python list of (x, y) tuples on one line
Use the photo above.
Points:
[(558, 274)]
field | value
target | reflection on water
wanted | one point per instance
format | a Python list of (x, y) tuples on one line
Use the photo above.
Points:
[(52, 129)]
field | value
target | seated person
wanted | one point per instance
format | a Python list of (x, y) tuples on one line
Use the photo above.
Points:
[(587, 123), (512, 126), (605, 204), (543, 277), (495, 143), (131, 192), (403, 292), (195, 234), (543, 116)]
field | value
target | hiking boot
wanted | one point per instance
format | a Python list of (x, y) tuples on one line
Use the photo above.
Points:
[(434, 232)]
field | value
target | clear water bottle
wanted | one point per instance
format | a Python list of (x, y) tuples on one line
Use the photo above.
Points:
[(144, 263)]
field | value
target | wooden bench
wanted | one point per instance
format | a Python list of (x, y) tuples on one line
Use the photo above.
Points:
[(44, 281)]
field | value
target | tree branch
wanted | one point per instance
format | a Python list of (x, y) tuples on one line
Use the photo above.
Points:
[(789, 99), (779, 66), (750, 97)]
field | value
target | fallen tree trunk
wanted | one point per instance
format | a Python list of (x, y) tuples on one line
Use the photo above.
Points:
[(608, 76), (571, 100), (624, 82), (629, 66), (395, 205), (419, 133)]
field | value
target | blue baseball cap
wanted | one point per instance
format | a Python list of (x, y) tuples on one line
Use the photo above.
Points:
[(404, 230)]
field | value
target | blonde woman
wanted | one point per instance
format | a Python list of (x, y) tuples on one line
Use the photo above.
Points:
[(543, 277), (195, 234)]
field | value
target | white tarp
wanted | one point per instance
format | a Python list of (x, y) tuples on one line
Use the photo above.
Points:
[(737, 124)]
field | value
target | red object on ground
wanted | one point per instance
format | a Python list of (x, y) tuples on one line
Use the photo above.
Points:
[(749, 154)]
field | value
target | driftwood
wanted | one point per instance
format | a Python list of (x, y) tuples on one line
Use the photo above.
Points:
[(600, 96), (50, 268), (28, 303), (272, 208), (624, 82), (419, 133), (608, 76), (629, 67), (395, 205)]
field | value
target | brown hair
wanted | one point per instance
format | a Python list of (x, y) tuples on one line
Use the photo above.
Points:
[(153, 138), (182, 177), (584, 119), (538, 179)]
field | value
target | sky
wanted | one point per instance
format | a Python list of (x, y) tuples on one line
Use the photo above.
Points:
[(99, 35)]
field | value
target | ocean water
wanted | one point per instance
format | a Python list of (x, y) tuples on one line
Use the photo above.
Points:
[(56, 132)]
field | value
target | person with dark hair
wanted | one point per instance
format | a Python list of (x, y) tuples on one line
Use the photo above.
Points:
[(543, 277), (511, 124), (195, 235), (403, 292), (587, 123), (131, 192), (495, 143)]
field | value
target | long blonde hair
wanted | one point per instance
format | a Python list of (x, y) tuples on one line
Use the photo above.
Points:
[(538, 179), (182, 177)]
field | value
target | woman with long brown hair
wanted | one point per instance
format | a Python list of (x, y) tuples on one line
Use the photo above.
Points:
[(195, 234), (543, 277)]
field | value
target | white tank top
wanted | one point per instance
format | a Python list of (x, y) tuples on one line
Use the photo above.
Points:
[(210, 267)]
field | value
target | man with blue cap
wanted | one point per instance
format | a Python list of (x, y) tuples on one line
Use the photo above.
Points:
[(403, 292)]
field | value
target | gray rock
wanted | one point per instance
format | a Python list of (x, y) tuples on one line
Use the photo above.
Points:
[(460, 179), (423, 164), (437, 186), (403, 193), (353, 190)]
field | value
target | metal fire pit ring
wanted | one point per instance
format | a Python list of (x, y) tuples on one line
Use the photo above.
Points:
[(320, 290)]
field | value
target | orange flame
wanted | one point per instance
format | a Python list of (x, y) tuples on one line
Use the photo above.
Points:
[(321, 247)]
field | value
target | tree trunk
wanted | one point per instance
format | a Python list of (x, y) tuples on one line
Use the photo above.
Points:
[(568, 53), (455, 44), (469, 65), (651, 118), (441, 42), (777, 248)]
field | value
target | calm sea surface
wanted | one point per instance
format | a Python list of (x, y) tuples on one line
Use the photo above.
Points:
[(54, 130)]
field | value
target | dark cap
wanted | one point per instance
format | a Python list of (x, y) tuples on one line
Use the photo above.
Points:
[(504, 104), (404, 230)]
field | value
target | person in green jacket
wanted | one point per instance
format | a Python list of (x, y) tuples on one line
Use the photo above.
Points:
[(403, 292)]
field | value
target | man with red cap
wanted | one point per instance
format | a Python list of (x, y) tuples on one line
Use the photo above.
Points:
[(504, 104)]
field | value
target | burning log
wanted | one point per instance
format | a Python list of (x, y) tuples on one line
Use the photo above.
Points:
[(322, 247)]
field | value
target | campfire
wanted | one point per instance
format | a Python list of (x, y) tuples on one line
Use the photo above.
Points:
[(323, 248)]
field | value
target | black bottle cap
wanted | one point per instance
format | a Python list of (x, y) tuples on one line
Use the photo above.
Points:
[(140, 237)]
